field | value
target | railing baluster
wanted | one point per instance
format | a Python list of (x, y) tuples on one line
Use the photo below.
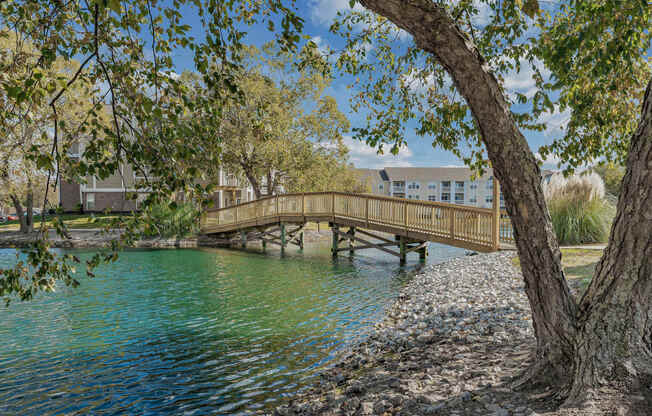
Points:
[(467, 225)]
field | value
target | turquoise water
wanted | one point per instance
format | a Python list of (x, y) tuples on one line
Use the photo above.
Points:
[(203, 331)]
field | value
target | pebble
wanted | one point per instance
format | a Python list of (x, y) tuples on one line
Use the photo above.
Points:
[(438, 349)]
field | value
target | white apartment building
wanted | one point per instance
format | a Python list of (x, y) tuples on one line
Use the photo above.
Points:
[(453, 185)]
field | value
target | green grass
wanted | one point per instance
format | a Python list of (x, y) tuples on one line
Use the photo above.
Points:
[(72, 221), (579, 264), (581, 222)]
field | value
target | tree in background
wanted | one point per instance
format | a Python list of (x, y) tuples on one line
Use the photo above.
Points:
[(283, 129), (612, 175), (25, 125), (126, 47)]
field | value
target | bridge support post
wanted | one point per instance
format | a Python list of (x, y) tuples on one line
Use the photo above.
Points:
[(495, 225), (351, 241), (423, 253), (402, 246), (301, 241), (243, 238), (336, 239), (283, 242)]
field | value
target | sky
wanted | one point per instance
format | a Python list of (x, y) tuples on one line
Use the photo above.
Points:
[(318, 15)]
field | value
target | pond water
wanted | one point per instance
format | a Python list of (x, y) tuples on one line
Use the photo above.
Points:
[(205, 331)]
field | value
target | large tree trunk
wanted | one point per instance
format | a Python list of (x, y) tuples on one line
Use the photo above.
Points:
[(29, 205), (615, 337), (25, 226), (514, 165), (253, 181)]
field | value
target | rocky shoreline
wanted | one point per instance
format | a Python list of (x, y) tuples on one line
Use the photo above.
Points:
[(91, 239), (451, 344), (95, 238)]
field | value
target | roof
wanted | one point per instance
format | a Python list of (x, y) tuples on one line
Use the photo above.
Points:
[(371, 174), (433, 173)]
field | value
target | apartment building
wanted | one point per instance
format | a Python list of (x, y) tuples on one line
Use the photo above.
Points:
[(453, 185), (99, 195)]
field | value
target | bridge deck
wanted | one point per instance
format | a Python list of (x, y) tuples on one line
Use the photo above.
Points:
[(479, 229)]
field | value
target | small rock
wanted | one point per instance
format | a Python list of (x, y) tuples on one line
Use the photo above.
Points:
[(367, 408), (380, 407), (433, 409), (351, 405), (355, 388)]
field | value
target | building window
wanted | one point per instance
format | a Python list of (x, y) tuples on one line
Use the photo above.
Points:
[(473, 185), (432, 186), (414, 185), (417, 197), (489, 200), (380, 187), (473, 200), (398, 184), (490, 182), (459, 185), (459, 198), (445, 197), (432, 197), (90, 201), (446, 185)]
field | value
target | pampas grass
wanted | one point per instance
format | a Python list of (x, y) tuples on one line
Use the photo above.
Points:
[(579, 211)]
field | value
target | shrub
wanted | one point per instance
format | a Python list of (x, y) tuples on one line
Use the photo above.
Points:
[(578, 208), (172, 220)]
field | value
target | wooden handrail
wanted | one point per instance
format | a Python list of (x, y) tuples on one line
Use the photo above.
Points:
[(481, 226), (370, 196)]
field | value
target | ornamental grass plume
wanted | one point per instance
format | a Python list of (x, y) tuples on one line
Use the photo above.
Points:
[(579, 211)]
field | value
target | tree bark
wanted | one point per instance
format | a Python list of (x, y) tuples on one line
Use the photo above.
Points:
[(614, 342), (20, 212), (255, 185), (29, 205), (514, 165)]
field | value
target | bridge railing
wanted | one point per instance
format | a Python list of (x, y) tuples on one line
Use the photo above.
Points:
[(480, 226)]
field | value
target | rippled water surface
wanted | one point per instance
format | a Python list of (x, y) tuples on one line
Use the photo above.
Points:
[(190, 331)]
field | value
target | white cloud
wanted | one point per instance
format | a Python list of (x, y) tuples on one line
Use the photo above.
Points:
[(555, 121), (420, 85), (523, 81), (364, 156), (550, 160), (325, 11), (484, 16), (324, 49)]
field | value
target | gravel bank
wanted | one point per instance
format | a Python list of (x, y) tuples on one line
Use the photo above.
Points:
[(90, 239), (450, 345)]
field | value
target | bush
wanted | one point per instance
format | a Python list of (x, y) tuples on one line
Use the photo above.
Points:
[(172, 220), (578, 208)]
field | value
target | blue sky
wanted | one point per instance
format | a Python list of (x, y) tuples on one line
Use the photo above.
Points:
[(318, 16)]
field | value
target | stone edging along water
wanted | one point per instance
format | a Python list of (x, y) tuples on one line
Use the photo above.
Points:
[(448, 345), (94, 238), (91, 239)]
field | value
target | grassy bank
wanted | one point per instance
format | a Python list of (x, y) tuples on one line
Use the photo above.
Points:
[(73, 221), (579, 264)]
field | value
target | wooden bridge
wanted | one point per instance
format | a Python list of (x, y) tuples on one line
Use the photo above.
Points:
[(280, 220)]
